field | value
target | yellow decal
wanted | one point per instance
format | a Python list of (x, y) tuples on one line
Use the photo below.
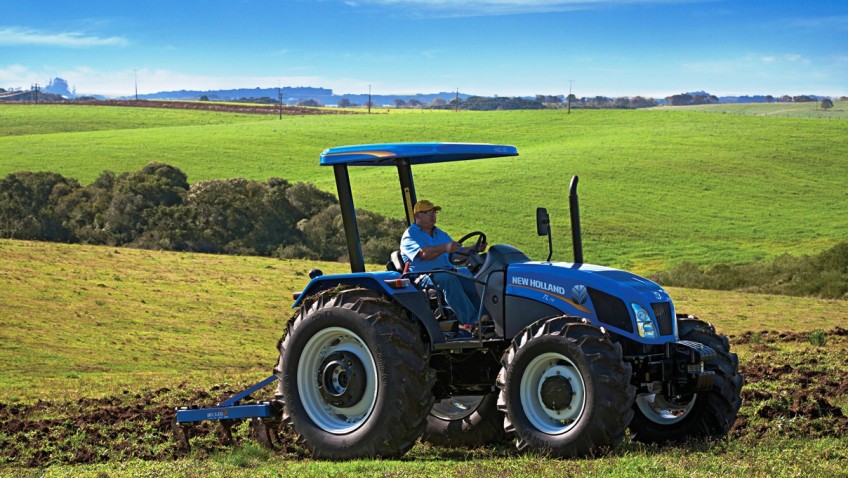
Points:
[(558, 296)]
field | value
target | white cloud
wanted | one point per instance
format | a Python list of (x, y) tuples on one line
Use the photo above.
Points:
[(17, 76), (16, 36), (835, 22)]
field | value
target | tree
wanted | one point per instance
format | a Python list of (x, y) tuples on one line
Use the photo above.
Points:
[(28, 205), (135, 194), (680, 100), (309, 102), (827, 104), (83, 212), (438, 103), (414, 103), (399, 103), (344, 103), (640, 102)]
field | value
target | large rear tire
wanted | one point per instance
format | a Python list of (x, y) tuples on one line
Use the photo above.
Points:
[(465, 421), (354, 377), (708, 414), (565, 389)]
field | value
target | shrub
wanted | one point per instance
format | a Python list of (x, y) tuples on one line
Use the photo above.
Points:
[(28, 205), (824, 275), (155, 208), (818, 338)]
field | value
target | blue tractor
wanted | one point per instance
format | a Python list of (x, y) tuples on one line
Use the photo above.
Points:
[(575, 356)]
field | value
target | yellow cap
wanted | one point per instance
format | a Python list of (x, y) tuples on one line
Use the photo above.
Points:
[(424, 206)]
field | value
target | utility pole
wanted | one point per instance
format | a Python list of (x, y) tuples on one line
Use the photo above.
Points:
[(280, 96), (456, 101), (569, 95), (369, 99), (135, 76)]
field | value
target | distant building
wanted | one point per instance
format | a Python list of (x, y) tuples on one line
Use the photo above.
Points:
[(58, 86)]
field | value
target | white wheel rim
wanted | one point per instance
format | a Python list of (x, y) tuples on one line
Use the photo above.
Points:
[(330, 418), (546, 420), (456, 408), (657, 409)]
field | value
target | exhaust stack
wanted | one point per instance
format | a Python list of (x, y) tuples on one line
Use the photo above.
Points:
[(574, 208)]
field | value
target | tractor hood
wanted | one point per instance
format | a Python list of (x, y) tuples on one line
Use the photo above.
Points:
[(621, 301)]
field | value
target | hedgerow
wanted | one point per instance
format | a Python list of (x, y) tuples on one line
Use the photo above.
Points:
[(156, 208)]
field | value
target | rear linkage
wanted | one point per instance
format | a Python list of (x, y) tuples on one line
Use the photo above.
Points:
[(264, 418)]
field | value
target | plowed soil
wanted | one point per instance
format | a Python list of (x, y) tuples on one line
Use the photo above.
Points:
[(792, 388)]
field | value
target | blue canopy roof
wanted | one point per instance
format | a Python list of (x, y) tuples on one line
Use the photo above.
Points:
[(387, 154)]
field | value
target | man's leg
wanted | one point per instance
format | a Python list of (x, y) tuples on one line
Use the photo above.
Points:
[(456, 297), (470, 289)]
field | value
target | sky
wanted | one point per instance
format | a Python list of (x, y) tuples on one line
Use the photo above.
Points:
[(651, 48)]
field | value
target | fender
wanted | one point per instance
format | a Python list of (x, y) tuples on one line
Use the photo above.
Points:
[(409, 297)]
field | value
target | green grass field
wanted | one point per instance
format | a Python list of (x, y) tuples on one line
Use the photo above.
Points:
[(657, 186), (786, 110), (98, 344)]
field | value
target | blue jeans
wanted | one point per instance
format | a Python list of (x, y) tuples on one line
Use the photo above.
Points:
[(460, 295)]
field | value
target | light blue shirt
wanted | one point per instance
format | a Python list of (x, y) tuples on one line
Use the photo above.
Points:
[(415, 239)]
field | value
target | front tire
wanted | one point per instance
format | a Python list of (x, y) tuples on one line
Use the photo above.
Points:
[(354, 377), (708, 414), (465, 421), (565, 389)]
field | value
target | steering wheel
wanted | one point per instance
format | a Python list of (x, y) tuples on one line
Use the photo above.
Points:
[(460, 258)]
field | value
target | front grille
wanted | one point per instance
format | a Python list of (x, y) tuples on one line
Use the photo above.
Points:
[(611, 310), (662, 310)]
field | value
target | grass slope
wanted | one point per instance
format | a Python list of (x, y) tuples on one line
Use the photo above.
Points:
[(657, 187), (92, 321), (98, 344), (96, 320)]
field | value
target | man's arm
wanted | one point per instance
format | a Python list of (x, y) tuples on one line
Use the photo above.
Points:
[(432, 252)]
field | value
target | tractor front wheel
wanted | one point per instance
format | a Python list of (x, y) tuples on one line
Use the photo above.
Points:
[(708, 414), (355, 379), (565, 389)]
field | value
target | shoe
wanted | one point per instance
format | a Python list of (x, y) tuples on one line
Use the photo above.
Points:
[(463, 333), (483, 329)]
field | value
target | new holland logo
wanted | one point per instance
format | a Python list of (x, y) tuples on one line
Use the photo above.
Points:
[(579, 294)]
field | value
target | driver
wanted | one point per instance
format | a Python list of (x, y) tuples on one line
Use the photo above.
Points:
[(425, 247)]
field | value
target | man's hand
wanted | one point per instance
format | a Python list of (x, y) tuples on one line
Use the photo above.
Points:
[(468, 250)]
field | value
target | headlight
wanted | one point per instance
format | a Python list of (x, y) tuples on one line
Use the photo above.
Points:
[(644, 322)]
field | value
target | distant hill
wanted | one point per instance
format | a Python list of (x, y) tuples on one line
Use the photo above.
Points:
[(291, 95)]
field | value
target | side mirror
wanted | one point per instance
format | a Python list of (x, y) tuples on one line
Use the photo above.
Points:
[(543, 222)]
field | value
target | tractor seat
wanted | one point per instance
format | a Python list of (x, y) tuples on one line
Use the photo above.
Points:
[(396, 263), (434, 296)]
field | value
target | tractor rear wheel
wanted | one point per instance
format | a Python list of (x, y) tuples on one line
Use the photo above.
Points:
[(708, 414), (565, 389), (465, 421), (354, 375)]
